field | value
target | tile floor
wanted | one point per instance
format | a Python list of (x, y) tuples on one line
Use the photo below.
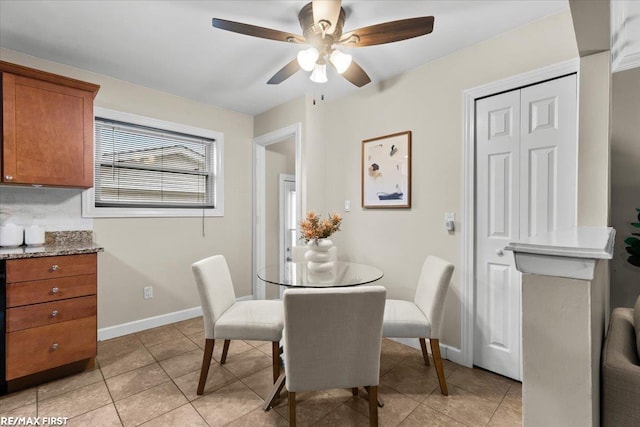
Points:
[(150, 379)]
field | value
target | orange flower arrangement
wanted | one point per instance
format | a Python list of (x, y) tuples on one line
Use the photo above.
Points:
[(314, 228)]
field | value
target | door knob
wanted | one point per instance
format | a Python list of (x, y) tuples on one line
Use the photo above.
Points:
[(499, 252)]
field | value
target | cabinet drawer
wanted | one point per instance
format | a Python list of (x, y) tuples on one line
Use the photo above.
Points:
[(32, 316), (25, 293), (22, 270), (38, 349)]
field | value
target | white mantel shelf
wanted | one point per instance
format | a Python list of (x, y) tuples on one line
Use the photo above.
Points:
[(570, 253)]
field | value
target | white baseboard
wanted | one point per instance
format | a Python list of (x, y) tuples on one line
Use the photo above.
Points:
[(453, 354), (153, 322), (447, 352), (148, 323)]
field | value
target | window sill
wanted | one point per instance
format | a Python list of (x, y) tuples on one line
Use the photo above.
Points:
[(90, 211)]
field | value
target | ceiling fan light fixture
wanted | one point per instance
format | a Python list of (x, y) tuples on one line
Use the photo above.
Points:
[(340, 60), (319, 74), (307, 58)]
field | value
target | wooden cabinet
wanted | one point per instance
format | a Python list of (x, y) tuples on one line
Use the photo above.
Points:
[(51, 313), (47, 128)]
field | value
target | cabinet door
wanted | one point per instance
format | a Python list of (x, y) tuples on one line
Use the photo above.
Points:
[(47, 133)]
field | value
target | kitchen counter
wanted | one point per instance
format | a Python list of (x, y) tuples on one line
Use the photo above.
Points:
[(56, 243), (73, 248)]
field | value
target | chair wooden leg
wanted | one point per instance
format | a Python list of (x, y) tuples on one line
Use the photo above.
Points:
[(373, 406), (437, 360), (225, 350), (380, 401), (206, 361), (292, 409), (425, 353), (275, 354), (274, 393), (354, 391)]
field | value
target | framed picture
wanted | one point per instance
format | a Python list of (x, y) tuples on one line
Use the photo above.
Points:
[(386, 171)]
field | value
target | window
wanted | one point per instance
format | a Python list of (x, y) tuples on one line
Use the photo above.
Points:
[(146, 167)]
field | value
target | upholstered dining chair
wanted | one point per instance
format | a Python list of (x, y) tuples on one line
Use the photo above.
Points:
[(225, 319), (332, 339), (422, 318)]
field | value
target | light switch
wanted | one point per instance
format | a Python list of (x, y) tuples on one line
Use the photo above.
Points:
[(347, 205), (449, 221)]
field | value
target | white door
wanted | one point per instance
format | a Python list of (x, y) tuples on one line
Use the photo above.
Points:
[(526, 150)]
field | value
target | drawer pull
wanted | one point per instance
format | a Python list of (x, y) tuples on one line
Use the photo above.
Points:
[(54, 346), (54, 267), (8, 177), (54, 290), (54, 313)]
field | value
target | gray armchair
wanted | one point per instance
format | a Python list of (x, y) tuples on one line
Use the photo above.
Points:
[(621, 369)]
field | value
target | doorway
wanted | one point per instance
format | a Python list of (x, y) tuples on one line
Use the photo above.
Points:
[(526, 175), (273, 154), (464, 355)]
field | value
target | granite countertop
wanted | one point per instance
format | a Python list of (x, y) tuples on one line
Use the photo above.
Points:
[(56, 243)]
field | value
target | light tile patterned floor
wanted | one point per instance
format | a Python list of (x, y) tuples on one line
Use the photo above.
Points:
[(150, 379)]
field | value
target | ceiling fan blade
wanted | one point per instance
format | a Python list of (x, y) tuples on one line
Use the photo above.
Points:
[(255, 31), (285, 72), (327, 10), (388, 32), (356, 75)]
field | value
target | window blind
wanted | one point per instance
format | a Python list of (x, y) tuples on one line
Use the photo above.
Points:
[(138, 166)]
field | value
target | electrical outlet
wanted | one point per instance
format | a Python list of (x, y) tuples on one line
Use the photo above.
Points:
[(148, 292)]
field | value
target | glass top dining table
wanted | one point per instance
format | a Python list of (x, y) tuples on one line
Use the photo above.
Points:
[(341, 274)]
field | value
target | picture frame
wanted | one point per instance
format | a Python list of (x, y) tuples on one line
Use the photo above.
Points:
[(386, 171)]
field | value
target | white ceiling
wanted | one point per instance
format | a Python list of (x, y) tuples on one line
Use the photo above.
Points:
[(171, 45)]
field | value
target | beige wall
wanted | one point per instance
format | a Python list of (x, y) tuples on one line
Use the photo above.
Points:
[(593, 140), (159, 252), (311, 189), (625, 182), (427, 101)]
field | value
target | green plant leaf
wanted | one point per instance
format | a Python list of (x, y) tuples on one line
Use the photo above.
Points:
[(632, 250), (634, 260), (636, 224), (632, 241)]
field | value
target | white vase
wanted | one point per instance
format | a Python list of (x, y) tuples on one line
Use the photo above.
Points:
[(318, 257)]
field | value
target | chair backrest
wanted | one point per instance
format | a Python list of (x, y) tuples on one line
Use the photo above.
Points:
[(432, 290), (297, 253), (215, 288), (332, 337)]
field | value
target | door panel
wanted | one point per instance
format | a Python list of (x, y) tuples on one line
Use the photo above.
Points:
[(549, 157), (497, 327)]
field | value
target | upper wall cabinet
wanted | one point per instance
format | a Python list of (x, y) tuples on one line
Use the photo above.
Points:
[(47, 128)]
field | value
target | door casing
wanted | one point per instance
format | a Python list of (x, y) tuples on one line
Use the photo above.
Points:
[(259, 192), (464, 355)]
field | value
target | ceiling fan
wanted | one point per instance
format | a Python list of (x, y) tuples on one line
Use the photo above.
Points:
[(322, 22)]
